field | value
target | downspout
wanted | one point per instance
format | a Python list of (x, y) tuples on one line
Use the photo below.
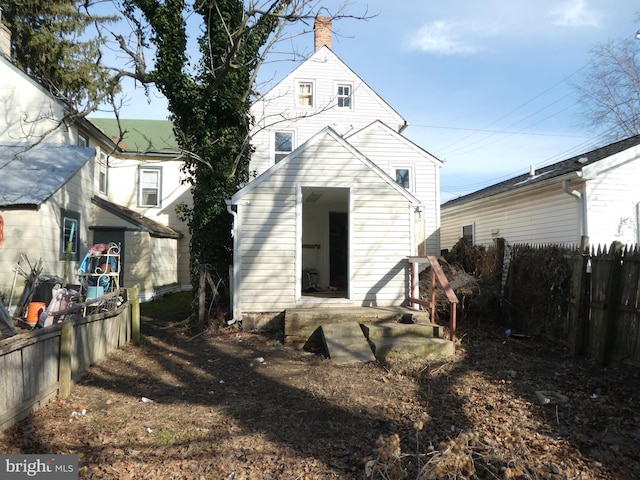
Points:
[(584, 239), (234, 271)]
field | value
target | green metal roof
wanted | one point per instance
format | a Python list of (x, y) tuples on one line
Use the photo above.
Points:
[(141, 136)]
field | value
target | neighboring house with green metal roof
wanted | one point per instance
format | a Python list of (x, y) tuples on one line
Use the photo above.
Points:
[(144, 177), (594, 196), (61, 174)]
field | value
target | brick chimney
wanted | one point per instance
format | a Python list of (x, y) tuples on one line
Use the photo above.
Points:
[(322, 32), (5, 38)]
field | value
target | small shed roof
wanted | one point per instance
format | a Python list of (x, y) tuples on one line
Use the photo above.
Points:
[(30, 174)]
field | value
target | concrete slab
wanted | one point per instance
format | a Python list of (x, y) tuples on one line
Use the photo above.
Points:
[(345, 343)]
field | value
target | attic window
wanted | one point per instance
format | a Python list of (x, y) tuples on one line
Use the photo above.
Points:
[(344, 96), (305, 94), (403, 177)]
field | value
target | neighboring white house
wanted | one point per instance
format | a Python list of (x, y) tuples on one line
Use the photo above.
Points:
[(59, 173), (340, 200), (595, 195)]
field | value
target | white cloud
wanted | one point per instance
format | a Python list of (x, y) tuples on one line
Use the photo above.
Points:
[(574, 13), (445, 38)]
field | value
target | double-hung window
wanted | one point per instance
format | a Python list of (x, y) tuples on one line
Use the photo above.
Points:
[(283, 144), (149, 182), (343, 97), (305, 94)]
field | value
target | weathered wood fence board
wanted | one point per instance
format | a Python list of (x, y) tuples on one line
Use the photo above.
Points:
[(37, 365), (600, 314)]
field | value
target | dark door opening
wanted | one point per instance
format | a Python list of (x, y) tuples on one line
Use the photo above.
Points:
[(115, 236), (339, 250)]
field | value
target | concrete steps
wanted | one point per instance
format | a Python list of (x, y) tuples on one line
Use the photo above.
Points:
[(356, 335)]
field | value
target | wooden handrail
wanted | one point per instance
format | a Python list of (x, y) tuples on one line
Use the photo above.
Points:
[(437, 274)]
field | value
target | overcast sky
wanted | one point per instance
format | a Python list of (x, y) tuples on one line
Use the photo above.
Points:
[(484, 84)]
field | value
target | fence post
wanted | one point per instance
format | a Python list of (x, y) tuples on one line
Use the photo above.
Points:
[(64, 375), (612, 297), (202, 298), (135, 315), (579, 307)]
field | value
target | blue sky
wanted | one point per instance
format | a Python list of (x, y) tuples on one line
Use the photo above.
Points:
[(484, 85)]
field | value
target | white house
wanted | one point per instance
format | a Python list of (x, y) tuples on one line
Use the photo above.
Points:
[(594, 196), (340, 200), (59, 174)]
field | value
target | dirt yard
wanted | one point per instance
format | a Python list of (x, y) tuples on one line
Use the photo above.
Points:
[(244, 406)]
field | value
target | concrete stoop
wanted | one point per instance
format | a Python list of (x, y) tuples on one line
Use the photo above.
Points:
[(349, 342)]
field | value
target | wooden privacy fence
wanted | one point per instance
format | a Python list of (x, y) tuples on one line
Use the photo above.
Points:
[(41, 364), (604, 313), (588, 302)]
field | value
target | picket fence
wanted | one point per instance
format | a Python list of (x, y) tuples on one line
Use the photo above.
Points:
[(38, 365)]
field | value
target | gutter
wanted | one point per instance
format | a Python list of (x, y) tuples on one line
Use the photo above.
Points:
[(236, 315), (582, 224)]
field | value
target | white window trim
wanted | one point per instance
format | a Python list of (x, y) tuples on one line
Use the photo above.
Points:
[(412, 180), (141, 170), (473, 232), (313, 94), (351, 95), (103, 167), (273, 140)]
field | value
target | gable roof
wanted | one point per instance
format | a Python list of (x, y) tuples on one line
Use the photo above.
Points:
[(330, 132), (578, 163), (31, 174), (377, 124), (141, 222), (320, 56), (141, 136)]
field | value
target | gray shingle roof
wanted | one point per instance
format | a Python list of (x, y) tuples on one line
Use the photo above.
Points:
[(563, 167), (29, 175)]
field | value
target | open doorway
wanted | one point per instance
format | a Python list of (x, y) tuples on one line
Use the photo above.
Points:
[(325, 242)]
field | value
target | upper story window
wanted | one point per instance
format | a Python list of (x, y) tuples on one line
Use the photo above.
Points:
[(305, 94), (103, 170), (403, 177), (149, 181), (283, 144), (344, 96), (83, 140)]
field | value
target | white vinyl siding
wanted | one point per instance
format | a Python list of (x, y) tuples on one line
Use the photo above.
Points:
[(612, 199), (277, 110), (543, 215), (389, 152), (269, 249)]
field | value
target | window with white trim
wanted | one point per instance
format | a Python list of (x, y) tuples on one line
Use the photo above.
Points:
[(467, 234), (149, 181), (305, 94), (403, 177), (83, 140), (343, 96), (283, 145), (103, 169), (69, 234)]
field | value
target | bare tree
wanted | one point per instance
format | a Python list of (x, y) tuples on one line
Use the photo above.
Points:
[(610, 90)]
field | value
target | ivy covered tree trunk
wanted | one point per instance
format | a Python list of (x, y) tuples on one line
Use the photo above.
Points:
[(209, 105)]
